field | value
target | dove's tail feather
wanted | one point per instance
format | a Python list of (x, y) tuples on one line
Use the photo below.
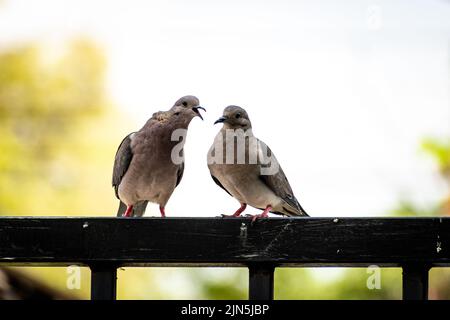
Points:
[(293, 210), (122, 209), (291, 213), (302, 211), (138, 209)]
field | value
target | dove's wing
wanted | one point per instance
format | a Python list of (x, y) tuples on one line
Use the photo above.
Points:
[(122, 161), (180, 173), (278, 182)]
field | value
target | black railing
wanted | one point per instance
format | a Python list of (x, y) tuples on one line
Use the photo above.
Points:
[(105, 244)]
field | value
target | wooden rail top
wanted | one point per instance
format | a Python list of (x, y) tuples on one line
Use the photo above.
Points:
[(224, 241)]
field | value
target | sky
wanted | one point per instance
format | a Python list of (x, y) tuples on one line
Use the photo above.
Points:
[(342, 92)]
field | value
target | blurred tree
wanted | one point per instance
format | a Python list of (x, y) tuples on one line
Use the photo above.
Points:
[(347, 284), (57, 137), (440, 151), (43, 104), (58, 131)]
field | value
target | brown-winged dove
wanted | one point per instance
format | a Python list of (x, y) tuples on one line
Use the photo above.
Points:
[(245, 168), (149, 163)]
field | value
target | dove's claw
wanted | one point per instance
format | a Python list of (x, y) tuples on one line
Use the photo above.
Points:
[(237, 213), (264, 214), (162, 211), (230, 215)]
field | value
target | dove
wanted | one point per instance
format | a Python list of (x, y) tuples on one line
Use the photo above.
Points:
[(247, 169), (146, 168)]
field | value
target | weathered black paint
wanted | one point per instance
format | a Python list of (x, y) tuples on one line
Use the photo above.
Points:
[(260, 282), (415, 282), (103, 282), (104, 244), (226, 241)]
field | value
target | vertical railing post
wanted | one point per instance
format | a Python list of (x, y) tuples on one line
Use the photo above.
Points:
[(103, 282), (260, 282), (415, 282)]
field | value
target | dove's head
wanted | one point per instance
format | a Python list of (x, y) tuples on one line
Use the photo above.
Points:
[(235, 117), (189, 106)]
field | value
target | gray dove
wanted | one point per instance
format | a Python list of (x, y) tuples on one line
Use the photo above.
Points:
[(145, 168), (246, 168)]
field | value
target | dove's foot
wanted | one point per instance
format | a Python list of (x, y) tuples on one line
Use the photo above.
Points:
[(163, 211), (234, 215), (264, 214), (128, 211), (238, 211)]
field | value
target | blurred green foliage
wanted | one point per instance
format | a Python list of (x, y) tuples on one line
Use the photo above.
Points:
[(334, 284), (54, 119), (406, 208), (440, 151), (51, 162)]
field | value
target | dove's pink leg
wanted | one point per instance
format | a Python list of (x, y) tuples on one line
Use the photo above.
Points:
[(163, 212), (128, 212), (264, 214), (238, 211)]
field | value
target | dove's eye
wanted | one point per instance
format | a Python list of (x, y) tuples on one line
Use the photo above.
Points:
[(237, 116), (185, 103)]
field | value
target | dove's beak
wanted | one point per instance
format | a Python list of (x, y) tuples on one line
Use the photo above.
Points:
[(198, 112), (220, 120)]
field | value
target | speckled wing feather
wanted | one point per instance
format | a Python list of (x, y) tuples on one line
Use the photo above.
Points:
[(279, 184), (180, 173)]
